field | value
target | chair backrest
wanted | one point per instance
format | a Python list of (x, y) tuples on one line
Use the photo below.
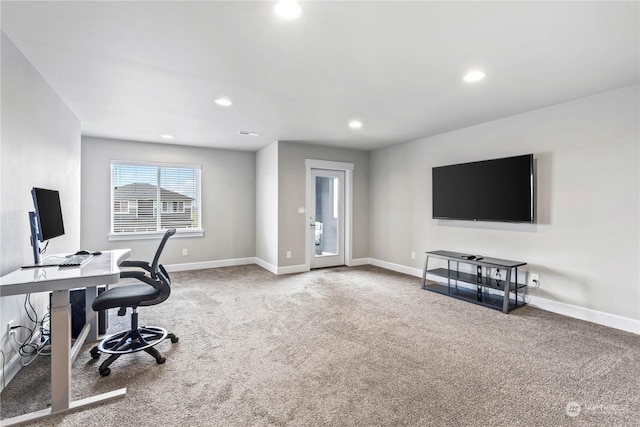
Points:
[(156, 259), (159, 276)]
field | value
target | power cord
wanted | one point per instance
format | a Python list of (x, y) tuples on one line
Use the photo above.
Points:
[(26, 348), (535, 287), (497, 275)]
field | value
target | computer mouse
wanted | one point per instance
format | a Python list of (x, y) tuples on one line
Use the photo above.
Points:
[(97, 253), (83, 253)]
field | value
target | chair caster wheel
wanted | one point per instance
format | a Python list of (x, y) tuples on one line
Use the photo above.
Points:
[(174, 339), (105, 372), (95, 353), (161, 360)]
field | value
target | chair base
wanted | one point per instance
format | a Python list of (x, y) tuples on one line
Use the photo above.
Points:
[(131, 341)]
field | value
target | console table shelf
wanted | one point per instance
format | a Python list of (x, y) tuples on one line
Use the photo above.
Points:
[(479, 288), (487, 282)]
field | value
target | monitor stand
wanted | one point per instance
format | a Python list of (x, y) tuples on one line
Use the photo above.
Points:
[(35, 242), (35, 245)]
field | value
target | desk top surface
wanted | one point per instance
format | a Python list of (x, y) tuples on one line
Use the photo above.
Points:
[(100, 270)]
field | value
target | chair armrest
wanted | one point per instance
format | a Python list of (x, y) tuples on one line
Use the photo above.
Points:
[(149, 281), (139, 264), (132, 274), (140, 276)]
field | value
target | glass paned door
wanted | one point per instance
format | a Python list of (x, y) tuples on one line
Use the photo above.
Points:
[(327, 218)]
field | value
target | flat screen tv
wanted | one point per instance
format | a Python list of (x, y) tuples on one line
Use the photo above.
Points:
[(488, 190)]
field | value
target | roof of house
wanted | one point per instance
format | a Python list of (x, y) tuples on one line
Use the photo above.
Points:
[(140, 191)]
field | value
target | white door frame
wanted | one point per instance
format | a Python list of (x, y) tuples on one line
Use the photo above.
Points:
[(328, 259), (347, 168)]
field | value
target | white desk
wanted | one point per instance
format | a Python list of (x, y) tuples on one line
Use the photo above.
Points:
[(100, 270)]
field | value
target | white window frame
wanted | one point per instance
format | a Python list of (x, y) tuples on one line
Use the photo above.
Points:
[(141, 235)]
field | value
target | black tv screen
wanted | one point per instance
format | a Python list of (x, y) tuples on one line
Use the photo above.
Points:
[(48, 213), (489, 190)]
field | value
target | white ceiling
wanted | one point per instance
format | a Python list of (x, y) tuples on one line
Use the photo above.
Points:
[(137, 70)]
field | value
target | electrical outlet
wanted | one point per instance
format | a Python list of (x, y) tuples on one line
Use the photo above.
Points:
[(185, 252), (413, 255), (534, 279), (288, 254)]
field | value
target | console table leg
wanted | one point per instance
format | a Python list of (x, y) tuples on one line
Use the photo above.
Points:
[(424, 272), (507, 285), (516, 285)]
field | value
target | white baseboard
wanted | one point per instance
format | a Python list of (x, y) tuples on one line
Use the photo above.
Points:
[(289, 269), (359, 261), (417, 272), (210, 264), (292, 269), (14, 365), (267, 266), (582, 313)]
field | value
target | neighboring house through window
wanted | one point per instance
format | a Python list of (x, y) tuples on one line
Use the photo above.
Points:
[(120, 206), (150, 198)]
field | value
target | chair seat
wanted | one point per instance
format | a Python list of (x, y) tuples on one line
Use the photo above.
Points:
[(125, 296)]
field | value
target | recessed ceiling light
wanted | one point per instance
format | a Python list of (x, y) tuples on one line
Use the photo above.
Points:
[(355, 124), (288, 9), (244, 132), (473, 76), (224, 102), (166, 136)]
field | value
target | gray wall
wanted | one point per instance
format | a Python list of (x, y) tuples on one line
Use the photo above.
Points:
[(292, 226), (228, 200), (267, 204), (585, 245), (40, 148)]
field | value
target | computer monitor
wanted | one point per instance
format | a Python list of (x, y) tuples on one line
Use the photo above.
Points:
[(46, 222)]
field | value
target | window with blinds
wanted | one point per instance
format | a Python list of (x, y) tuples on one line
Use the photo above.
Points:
[(150, 198)]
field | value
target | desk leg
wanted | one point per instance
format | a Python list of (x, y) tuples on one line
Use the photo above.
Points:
[(60, 351), (90, 293), (61, 368)]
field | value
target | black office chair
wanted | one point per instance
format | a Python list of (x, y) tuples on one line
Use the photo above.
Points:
[(155, 288)]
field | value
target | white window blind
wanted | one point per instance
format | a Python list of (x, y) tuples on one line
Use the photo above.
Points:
[(150, 198)]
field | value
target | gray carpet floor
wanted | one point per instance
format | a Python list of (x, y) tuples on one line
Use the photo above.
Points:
[(349, 346)]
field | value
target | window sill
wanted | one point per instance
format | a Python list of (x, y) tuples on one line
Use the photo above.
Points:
[(154, 235)]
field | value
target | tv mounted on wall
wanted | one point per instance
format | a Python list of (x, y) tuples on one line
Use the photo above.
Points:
[(488, 190)]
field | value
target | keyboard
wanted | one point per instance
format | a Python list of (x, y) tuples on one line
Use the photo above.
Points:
[(75, 261)]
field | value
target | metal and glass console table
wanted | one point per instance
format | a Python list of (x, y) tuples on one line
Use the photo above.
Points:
[(480, 286)]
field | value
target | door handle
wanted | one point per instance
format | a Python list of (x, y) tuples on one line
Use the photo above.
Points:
[(312, 225)]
